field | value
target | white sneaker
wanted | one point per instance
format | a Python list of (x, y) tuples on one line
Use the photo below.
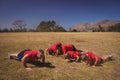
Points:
[(110, 55)]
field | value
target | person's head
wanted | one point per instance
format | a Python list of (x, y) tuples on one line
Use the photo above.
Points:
[(83, 57), (50, 52), (59, 45), (67, 56), (41, 52)]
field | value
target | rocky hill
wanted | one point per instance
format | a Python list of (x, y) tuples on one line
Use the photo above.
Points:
[(95, 25)]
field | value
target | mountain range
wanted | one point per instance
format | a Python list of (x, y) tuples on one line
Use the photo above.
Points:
[(94, 25)]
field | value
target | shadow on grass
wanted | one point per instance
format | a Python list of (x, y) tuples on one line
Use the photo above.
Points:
[(40, 64)]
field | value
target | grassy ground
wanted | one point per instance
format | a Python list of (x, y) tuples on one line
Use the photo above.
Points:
[(57, 68)]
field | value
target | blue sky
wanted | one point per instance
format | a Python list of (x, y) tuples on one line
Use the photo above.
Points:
[(66, 13)]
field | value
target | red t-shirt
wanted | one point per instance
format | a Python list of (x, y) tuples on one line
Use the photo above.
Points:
[(32, 55), (74, 54), (66, 48), (54, 47), (91, 57)]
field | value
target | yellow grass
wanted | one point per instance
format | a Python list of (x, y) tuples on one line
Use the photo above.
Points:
[(98, 42)]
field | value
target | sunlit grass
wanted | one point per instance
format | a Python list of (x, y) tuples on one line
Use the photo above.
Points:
[(98, 42)]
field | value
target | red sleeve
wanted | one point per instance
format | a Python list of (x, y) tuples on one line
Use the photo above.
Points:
[(75, 56), (63, 49), (52, 47)]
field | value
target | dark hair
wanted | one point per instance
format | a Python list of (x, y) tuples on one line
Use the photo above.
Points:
[(67, 56), (51, 52), (42, 52), (80, 50), (59, 45), (84, 57)]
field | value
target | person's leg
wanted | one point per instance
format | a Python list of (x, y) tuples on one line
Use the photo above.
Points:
[(19, 55), (107, 57)]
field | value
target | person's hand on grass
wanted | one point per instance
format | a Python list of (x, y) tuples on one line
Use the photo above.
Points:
[(28, 68)]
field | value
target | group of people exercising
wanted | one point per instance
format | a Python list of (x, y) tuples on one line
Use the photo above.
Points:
[(68, 51)]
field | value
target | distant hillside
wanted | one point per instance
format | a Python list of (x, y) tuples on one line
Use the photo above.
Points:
[(103, 24)]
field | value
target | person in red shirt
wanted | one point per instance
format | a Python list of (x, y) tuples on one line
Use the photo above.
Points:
[(68, 47), (54, 49), (93, 59), (73, 56), (28, 55)]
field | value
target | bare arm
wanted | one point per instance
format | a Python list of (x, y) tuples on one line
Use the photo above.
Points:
[(77, 58), (24, 60), (46, 52), (96, 60), (57, 51), (43, 59), (63, 55)]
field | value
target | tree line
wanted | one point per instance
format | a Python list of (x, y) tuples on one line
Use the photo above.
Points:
[(52, 26), (44, 26)]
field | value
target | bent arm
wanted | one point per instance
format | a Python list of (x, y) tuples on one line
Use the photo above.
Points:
[(46, 52), (24, 60), (43, 59), (77, 58), (96, 60)]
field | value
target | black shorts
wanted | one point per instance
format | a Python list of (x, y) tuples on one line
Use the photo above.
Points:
[(20, 55)]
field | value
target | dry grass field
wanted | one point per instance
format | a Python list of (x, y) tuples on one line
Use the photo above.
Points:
[(57, 68)]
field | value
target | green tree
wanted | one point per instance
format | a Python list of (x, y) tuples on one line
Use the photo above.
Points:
[(74, 30), (48, 26), (59, 29), (5, 30)]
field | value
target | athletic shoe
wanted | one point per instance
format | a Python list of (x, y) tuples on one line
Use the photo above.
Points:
[(110, 57), (9, 57)]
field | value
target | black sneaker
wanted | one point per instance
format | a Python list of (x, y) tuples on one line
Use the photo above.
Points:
[(10, 57)]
